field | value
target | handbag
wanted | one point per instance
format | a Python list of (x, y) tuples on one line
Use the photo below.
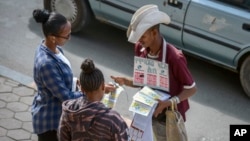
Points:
[(175, 126)]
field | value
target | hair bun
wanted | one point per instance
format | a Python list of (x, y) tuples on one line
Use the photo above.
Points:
[(41, 16), (88, 66)]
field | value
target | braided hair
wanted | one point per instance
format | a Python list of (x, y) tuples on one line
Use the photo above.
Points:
[(91, 77)]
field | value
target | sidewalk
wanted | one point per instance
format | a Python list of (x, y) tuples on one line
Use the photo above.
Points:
[(16, 96), (15, 116)]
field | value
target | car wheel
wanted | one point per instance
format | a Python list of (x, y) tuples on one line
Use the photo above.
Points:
[(245, 76), (76, 11)]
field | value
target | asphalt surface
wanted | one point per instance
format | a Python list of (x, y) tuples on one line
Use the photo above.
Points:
[(218, 103)]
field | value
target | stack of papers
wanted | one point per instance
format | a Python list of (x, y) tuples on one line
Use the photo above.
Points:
[(144, 101), (110, 99), (143, 106)]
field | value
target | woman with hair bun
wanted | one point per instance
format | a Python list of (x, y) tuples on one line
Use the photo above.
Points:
[(86, 118), (52, 74)]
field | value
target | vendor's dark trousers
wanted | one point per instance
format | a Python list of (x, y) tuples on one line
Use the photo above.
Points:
[(48, 136), (159, 130)]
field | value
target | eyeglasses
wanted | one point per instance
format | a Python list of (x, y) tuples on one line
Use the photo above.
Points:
[(64, 37)]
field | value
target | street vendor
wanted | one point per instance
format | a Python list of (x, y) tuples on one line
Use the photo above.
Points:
[(144, 32)]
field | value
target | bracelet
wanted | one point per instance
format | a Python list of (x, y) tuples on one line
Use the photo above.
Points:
[(176, 99)]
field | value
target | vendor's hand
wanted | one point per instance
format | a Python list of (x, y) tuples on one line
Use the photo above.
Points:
[(161, 106), (120, 80), (109, 88)]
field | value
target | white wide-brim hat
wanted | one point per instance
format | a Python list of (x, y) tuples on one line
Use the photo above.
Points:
[(144, 18)]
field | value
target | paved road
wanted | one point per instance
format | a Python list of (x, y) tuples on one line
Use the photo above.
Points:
[(219, 102)]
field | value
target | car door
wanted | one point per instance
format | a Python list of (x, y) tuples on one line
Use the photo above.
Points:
[(176, 9), (216, 30), (119, 12)]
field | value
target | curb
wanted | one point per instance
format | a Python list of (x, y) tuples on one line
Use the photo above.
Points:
[(28, 81), (17, 76)]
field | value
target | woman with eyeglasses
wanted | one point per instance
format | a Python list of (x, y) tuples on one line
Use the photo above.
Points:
[(52, 75)]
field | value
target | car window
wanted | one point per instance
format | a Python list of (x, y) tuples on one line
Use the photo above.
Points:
[(239, 3)]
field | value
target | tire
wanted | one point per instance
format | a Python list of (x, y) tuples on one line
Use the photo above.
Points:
[(245, 76), (76, 11)]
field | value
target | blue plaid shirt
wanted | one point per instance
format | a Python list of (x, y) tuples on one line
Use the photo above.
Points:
[(54, 81)]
